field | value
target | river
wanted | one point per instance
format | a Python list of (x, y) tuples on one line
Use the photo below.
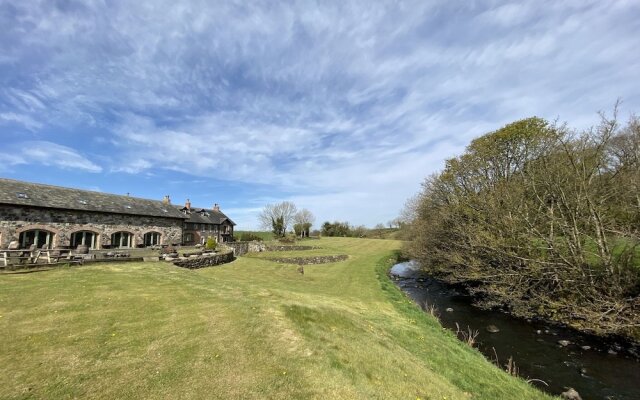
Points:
[(587, 364)]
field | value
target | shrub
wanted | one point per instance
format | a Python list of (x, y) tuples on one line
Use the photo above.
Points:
[(211, 244), (287, 239), (249, 237)]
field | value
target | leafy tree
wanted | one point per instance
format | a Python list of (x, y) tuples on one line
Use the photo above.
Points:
[(537, 216), (336, 229), (277, 226)]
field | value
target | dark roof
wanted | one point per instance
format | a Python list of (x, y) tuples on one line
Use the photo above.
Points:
[(206, 216), (46, 196)]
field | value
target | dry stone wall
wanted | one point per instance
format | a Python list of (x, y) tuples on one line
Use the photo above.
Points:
[(242, 248), (310, 260), (206, 260)]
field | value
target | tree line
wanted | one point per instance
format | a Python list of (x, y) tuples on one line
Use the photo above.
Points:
[(541, 218)]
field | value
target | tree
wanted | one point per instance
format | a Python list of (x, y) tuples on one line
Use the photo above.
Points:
[(336, 228), (537, 216), (277, 217), (303, 220)]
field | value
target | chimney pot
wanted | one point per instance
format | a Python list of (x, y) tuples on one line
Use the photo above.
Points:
[(216, 207), (188, 204), (166, 200)]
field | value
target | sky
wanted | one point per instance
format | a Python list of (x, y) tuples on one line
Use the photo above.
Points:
[(342, 107)]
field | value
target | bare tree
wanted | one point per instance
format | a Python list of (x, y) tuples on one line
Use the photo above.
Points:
[(303, 220), (277, 217)]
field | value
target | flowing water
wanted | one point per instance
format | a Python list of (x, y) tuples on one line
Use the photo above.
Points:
[(595, 373)]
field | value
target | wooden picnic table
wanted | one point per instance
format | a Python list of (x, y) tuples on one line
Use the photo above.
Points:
[(33, 256), (30, 256)]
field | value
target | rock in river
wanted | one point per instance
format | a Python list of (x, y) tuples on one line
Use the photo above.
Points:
[(449, 309), (492, 329), (564, 343), (570, 394)]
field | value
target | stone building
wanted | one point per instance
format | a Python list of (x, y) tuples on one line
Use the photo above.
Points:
[(204, 223), (52, 216)]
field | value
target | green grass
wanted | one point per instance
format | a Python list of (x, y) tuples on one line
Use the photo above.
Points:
[(264, 235), (252, 329)]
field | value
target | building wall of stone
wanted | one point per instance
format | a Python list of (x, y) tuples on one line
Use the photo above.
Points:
[(200, 237), (16, 219)]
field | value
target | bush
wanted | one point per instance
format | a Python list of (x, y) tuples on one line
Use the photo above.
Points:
[(249, 237), (287, 239), (211, 244)]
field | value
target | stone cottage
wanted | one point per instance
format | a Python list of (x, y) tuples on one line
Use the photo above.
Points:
[(51, 216), (205, 223)]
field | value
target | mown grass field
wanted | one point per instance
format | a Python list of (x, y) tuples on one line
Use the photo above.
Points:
[(252, 329), (262, 234)]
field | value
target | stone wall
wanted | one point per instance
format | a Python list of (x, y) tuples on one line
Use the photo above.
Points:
[(242, 248), (62, 223), (289, 248), (310, 260), (206, 260)]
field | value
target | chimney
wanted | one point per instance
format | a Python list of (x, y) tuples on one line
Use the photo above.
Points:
[(166, 200), (187, 205), (216, 207)]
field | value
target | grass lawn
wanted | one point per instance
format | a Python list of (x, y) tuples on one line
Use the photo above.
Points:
[(252, 329), (262, 234)]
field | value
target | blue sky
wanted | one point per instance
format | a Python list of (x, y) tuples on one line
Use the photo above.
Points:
[(341, 107)]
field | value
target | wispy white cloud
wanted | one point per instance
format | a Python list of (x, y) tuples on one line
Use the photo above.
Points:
[(342, 106), (47, 154), (23, 119)]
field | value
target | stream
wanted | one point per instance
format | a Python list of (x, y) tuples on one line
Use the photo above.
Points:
[(586, 364)]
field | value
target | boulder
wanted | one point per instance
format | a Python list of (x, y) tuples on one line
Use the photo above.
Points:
[(570, 394), (492, 329)]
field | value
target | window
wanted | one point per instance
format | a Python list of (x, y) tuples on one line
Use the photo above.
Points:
[(86, 238), (151, 238), (188, 237), (22, 195), (121, 239), (39, 238)]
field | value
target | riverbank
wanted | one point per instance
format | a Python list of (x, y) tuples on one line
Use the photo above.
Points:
[(250, 329), (581, 317), (558, 356)]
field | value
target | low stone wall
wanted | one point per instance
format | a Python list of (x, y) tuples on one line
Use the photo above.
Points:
[(309, 260), (206, 260), (242, 248), (289, 248)]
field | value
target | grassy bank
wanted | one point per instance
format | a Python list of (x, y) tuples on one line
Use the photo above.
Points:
[(250, 329)]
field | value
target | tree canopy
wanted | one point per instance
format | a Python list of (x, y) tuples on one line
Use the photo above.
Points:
[(536, 215)]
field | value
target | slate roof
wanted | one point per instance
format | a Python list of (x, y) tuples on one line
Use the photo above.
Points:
[(46, 196), (212, 217)]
